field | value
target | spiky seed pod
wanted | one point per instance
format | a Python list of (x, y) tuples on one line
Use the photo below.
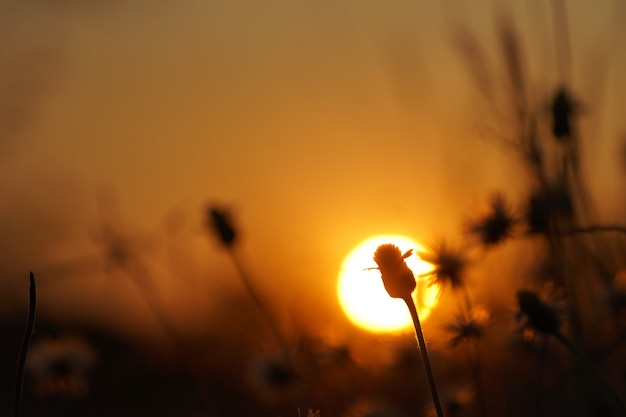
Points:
[(541, 316), (398, 278)]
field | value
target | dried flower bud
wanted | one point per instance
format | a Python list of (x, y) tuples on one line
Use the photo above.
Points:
[(397, 277), (540, 315)]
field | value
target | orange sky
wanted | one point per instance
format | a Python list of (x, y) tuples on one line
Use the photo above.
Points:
[(319, 122)]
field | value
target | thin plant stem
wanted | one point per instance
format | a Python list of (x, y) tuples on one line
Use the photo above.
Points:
[(475, 358), (261, 306), (543, 354), (479, 379), (583, 230), (593, 369), (164, 320), (592, 229), (424, 351), (561, 37), (170, 328), (21, 363)]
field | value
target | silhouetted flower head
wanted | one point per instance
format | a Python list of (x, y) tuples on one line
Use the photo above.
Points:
[(616, 303), (123, 246), (273, 378), (449, 265), (61, 366), (495, 225), (220, 223), (455, 400), (614, 296), (539, 315), (398, 278), (563, 109), (468, 326), (127, 251), (545, 208), (119, 251)]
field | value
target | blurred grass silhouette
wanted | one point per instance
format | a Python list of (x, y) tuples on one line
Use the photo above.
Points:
[(550, 340)]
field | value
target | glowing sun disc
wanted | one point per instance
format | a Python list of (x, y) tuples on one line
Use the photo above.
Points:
[(364, 298)]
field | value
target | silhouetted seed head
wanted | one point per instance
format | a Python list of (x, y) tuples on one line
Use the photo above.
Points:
[(540, 316), (279, 375), (468, 327), (616, 301), (563, 110), (456, 401), (495, 225), (539, 214), (61, 366), (220, 223), (614, 296), (449, 265), (119, 250), (545, 208), (397, 277), (273, 378)]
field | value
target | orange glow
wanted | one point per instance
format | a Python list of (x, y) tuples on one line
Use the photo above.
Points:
[(362, 294)]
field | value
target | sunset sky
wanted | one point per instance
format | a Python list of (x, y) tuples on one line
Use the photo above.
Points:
[(318, 123)]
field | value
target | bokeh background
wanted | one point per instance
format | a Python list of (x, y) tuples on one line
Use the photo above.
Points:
[(316, 124)]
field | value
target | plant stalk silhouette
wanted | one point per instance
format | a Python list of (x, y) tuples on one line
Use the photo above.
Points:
[(399, 282), (21, 364), (424, 351), (220, 224)]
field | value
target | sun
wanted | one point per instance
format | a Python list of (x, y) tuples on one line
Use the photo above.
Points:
[(362, 294)]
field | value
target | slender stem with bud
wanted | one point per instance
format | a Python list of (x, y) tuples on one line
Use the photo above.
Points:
[(424, 351), (220, 223)]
